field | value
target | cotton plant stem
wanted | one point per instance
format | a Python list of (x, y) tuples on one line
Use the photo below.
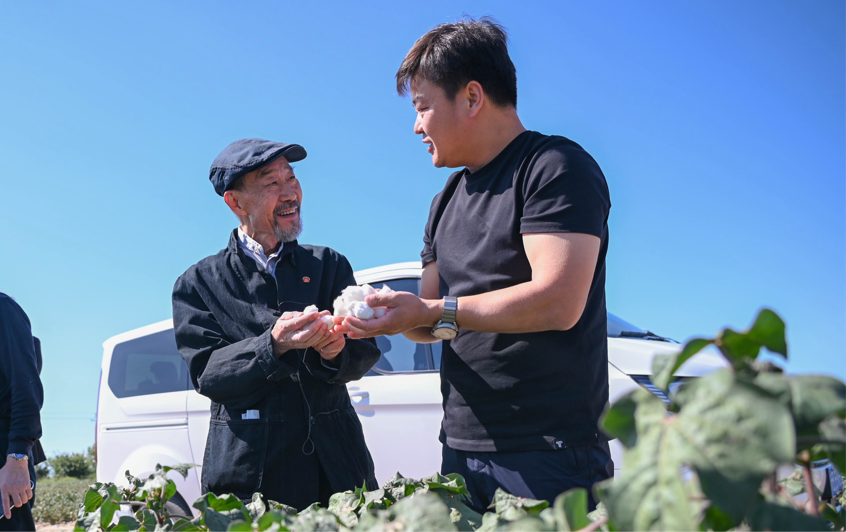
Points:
[(595, 525), (809, 487)]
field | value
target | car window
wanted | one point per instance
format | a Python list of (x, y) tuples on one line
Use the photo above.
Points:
[(148, 365), (399, 354)]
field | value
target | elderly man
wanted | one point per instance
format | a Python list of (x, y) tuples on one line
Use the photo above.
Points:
[(281, 419)]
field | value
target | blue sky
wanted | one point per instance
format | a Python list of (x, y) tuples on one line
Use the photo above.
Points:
[(719, 126)]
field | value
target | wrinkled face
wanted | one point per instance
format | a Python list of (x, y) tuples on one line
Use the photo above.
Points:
[(439, 122), (272, 197)]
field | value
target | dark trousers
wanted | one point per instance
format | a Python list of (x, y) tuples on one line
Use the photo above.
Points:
[(530, 474)]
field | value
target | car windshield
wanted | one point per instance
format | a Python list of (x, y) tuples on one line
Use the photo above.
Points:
[(617, 325)]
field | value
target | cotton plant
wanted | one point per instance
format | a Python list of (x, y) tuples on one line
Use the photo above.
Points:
[(351, 302)]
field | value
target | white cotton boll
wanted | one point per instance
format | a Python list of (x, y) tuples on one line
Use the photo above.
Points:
[(311, 309), (361, 311), (328, 321), (340, 307), (380, 311), (386, 290), (368, 290), (352, 294)]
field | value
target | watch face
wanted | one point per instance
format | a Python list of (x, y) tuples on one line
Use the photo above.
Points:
[(444, 333)]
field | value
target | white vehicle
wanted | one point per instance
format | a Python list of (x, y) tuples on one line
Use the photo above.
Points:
[(149, 413)]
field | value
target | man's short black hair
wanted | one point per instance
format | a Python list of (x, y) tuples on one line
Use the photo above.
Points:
[(452, 55)]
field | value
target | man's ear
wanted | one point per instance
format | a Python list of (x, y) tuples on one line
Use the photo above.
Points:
[(475, 98), (233, 201)]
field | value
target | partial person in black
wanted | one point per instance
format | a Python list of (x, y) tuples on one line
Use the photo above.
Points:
[(281, 419), (21, 398), (513, 277)]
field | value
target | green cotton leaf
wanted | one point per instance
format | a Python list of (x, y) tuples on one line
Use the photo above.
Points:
[(717, 520), (794, 484), (570, 510), (833, 431), (220, 520), (829, 513), (465, 518), (170, 490), (618, 420), (126, 523), (147, 518), (88, 523), (768, 330), (512, 507), (256, 507), (423, 512), (283, 508), (770, 516), (93, 499), (107, 512), (186, 525), (182, 469), (344, 506), (734, 434), (316, 519), (810, 398), (274, 519), (665, 366), (240, 526)]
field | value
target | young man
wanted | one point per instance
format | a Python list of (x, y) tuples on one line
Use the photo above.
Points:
[(513, 279), (281, 420)]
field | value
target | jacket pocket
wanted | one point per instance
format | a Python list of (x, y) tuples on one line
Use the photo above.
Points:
[(343, 451), (234, 457)]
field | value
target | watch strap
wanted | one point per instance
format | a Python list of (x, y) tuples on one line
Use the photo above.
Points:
[(450, 309)]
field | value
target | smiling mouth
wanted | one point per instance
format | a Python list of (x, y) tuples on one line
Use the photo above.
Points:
[(287, 212)]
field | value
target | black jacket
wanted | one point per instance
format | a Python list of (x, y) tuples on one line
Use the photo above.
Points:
[(21, 394), (223, 311)]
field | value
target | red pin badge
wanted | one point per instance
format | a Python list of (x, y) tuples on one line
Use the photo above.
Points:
[(306, 279)]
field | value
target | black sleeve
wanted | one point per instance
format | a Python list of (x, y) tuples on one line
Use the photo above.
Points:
[(19, 366), (565, 192), (358, 356), (235, 374)]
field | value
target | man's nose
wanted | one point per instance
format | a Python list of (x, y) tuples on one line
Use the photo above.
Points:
[(418, 126), (287, 193)]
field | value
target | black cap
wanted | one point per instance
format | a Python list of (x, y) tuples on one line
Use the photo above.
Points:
[(243, 156)]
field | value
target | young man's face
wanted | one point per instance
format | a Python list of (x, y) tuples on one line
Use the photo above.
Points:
[(439, 123), (272, 197)]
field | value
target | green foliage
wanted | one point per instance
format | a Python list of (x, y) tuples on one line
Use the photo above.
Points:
[(706, 463), (74, 465), (57, 499), (709, 462)]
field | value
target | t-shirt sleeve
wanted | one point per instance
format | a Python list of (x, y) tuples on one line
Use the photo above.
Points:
[(428, 254), (565, 192)]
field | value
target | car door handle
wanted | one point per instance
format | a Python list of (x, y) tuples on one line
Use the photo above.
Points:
[(357, 397)]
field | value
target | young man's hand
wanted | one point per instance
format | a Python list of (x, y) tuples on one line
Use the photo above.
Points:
[(405, 311), (295, 330), (14, 484)]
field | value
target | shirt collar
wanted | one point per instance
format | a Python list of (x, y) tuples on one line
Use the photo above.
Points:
[(255, 251)]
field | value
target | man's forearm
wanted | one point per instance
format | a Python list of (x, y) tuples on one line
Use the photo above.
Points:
[(526, 307), (421, 335)]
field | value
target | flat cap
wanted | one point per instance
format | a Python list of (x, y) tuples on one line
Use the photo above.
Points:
[(243, 156)]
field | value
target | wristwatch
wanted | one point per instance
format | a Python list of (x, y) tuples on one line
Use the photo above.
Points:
[(446, 328), (19, 457)]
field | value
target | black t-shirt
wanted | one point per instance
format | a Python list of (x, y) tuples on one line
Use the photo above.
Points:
[(528, 391)]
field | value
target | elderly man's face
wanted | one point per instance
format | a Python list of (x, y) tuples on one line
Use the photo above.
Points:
[(268, 203)]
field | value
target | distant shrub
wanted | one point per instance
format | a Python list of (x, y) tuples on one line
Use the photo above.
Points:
[(42, 471), (75, 465)]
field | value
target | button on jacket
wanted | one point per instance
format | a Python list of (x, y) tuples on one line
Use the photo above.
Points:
[(224, 309)]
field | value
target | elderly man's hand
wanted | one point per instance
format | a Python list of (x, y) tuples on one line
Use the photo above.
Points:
[(405, 311), (331, 345), (14, 484), (295, 330)]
